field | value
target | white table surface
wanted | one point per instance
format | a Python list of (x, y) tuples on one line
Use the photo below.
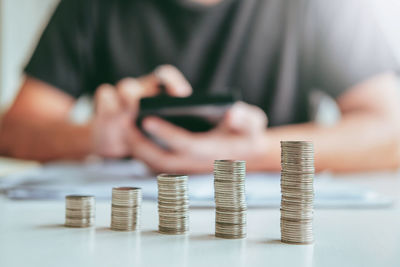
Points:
[(32, 234)]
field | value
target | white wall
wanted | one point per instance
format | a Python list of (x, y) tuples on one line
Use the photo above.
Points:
[(21, 22)]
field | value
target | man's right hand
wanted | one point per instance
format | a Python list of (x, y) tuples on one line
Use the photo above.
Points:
[(117, 108)]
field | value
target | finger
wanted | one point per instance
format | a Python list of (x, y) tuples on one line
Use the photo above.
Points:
[(106, 101), (176, 138), (144, 147), (130, 91), (160, 160), (174, 81), (245, 118), (145, 150)]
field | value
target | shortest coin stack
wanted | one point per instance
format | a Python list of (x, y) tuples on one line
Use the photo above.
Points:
[(125, 208), (297, 178), (80, 211), (173, 204), (230, 198)]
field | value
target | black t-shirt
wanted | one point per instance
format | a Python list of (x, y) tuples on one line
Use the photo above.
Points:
[(275, 51)]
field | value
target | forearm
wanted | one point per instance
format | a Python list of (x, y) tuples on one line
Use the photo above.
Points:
[(44, 141), (357, 142)]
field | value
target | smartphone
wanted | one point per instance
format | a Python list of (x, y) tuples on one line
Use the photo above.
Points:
[(197, 113)]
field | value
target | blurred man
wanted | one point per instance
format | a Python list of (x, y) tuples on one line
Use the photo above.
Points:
[(276, 51)]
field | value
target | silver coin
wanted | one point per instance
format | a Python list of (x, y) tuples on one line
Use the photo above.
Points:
[(173, 203), (80, 210), (126, 208), (79, 223), (297, 190), (230, 198)]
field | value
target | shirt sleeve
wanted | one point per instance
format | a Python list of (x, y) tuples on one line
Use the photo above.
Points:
[(62, 57), (349, 45)]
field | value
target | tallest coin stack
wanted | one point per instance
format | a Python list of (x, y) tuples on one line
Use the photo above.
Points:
[(297, 178)]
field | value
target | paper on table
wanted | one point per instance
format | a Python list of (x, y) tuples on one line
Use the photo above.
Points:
[(54, 181), (10, 165)]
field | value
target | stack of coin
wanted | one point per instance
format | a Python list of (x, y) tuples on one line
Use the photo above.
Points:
[(125, 208), (173, 204), (230, 198), (297, 178), (80, 211)]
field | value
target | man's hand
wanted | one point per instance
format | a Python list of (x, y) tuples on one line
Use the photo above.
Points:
[(239, 136), (117, 108)]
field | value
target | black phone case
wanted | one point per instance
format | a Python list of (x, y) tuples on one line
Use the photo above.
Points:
[(195, 113)]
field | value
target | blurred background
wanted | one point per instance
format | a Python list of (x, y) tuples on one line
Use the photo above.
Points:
[(22, 22)]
